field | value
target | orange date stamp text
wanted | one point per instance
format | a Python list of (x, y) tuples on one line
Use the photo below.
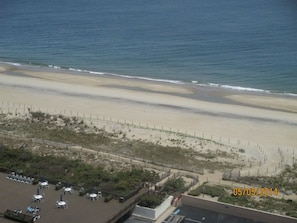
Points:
[(254, 191)]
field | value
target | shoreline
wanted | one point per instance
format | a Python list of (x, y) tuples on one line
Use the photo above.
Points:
[(266, 126), (228, 89), (213, 94), (146, 92)]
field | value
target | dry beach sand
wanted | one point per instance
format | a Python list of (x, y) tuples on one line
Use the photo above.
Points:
[(265, 125)]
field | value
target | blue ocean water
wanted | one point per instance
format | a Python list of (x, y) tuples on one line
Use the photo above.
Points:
[(251, 44)]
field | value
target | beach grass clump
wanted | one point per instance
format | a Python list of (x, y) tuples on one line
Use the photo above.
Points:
[(285, 181), (40, 116), (46, 129), (211, 190), (82, 138), (71, 131), (74, 172), (244, 201), (241, 150), (170, 156)]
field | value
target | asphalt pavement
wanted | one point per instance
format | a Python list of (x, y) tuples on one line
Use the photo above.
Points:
[(198, 215)]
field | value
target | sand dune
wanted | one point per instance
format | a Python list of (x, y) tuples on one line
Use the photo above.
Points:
[(267, 121)]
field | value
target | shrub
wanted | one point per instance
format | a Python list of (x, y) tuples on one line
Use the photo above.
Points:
[(174, 186), (151, 200)]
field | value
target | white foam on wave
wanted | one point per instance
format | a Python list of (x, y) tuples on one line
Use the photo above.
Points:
[(194, 82), (238, 88), (85, 71), (126, 76), (94, 72), (10, 63), (149, 79), (54, 67), (288, 94), (245, 88), (75, 69)]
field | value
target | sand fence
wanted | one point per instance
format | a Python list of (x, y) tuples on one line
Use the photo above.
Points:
[(267, 163)]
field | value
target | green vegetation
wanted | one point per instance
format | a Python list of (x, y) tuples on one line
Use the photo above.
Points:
[(269, 204), (19, 217), (75, 172), (174, 186), (151, 200), (73, 131), (41, 131), (265, 203), (286, 181), (244, 201), (212, 190)]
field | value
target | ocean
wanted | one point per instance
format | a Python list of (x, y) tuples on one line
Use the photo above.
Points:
[(244, 45)]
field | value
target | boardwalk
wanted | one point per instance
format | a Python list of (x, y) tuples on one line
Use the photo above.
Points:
[(16, 195)]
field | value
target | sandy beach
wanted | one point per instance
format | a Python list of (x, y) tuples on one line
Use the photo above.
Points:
[(264, 124)]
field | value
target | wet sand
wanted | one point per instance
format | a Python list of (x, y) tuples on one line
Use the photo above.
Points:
[(266, 122)]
